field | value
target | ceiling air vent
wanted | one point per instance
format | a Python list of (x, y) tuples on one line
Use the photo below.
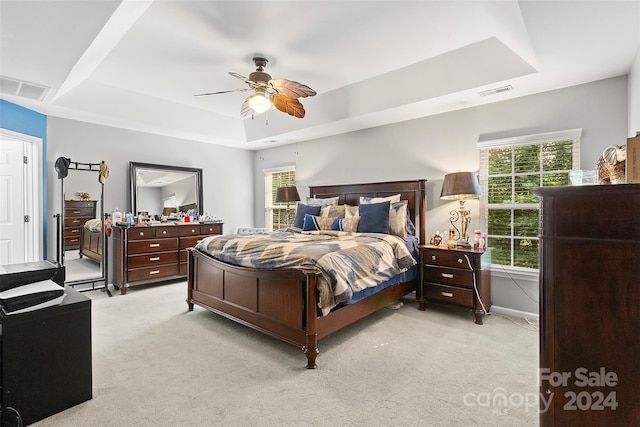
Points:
[(9, 86), (496, 90)]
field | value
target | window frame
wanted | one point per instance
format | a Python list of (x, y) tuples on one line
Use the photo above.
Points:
[(484, 147), (269, 205)]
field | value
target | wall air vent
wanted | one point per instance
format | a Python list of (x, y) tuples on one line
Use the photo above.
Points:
[(9, 86), (495, 91)]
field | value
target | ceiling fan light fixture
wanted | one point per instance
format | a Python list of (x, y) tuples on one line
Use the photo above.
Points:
[(259, 102)]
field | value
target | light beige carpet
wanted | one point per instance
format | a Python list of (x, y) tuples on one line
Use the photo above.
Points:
[(156, 364)]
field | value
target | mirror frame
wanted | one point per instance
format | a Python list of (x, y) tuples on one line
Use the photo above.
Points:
[(133, 182), (104, 264)]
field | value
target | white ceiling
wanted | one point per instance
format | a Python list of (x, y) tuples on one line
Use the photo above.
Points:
[(136, 64)]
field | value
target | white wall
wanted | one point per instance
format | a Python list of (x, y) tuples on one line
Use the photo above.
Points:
[(634, 96), (430, 147), (227, 172)]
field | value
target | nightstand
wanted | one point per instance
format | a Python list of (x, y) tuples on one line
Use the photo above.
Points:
[(455, 276)]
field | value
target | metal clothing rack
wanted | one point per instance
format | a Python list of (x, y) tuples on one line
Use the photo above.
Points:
[(95, 167)]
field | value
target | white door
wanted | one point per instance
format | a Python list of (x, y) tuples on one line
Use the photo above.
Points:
[(12, 201)]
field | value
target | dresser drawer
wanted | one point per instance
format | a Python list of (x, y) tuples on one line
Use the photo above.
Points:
[(73, 204), (169, 231), (72, 232), (190, 242), (449, 276), (90, 211), (211, 229), (70, 241), (152, 273), (156, 245), (141, 233), (449, 294), (70, 221), (446, 259), (152, 259)]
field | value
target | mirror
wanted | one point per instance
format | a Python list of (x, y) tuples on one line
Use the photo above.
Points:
[(158, 190), (82, 241)]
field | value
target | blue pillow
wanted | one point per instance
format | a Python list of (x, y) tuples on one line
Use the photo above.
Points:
[(302, 210), (374, 218)]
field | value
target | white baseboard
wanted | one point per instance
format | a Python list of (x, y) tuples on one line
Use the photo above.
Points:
[(514, 313)]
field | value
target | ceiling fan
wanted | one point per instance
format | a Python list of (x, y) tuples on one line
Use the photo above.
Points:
[(281, 93)]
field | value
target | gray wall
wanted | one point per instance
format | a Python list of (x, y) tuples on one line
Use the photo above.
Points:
[(432, 146)]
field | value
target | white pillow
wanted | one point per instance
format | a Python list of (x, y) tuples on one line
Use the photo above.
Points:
[(312, 201), (367, 200), (351, 211)]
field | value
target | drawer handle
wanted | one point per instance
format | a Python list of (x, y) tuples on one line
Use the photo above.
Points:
[(141, 233), (459, 260), (447, 275), (433, 257), (154, 245), (164, 231), (74, 240), (75, 230), (154, 272), (155, 258), (76, 220), (76, 212), (193, 230), (447, 294)]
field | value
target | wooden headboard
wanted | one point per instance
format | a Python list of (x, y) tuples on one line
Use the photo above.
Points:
[(412, 191)]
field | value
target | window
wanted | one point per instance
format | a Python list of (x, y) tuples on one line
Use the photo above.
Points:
[(509, 168), (276, 214)]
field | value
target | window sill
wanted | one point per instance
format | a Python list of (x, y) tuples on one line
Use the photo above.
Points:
[(516, 273)]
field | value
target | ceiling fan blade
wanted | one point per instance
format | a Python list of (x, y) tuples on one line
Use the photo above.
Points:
[(241, 77), (288, 105), (245, 109), (223, 91), (291, 88)]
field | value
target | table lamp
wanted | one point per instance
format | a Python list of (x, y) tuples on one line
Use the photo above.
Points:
[(460, 186), (287, 195)]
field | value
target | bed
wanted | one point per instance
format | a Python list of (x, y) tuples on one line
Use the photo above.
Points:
[(283, 303), (91, 240)]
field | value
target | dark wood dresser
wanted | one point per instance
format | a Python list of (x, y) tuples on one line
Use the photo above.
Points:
[(455, 276), (155, 253), (590, 305), (76, 213)]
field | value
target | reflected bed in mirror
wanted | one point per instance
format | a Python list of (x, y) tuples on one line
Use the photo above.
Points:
[(161, 190)]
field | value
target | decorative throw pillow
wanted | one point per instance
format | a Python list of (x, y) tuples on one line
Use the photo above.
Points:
[(301, 211), (346, 224), (350, 211), (374, 218), (332, 211), (398, 219), (368, 200), (312, 201), (312, 223)]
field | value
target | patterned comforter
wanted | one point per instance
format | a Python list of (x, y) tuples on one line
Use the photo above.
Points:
[(348, 262)]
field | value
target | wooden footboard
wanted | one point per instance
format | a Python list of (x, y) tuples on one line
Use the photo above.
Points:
[(280, 303), (91, 244)]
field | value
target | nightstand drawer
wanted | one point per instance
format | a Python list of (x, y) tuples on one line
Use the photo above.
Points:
[(449, 294), (449, 276), (444, 258)]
